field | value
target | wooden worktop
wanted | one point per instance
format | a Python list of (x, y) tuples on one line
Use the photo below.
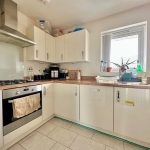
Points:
[(81, 82)]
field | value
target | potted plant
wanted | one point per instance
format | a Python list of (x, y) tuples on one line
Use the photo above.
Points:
[(124, 65)]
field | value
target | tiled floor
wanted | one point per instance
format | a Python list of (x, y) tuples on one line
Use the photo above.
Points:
[(61, 135)]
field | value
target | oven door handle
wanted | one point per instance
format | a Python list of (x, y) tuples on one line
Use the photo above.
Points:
[(10, 101)]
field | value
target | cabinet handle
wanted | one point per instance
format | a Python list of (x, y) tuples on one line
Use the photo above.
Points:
[(98, 90), (76, 92), (44, 91), (47, 56), (82, 54), (118, 96), (37, 53)]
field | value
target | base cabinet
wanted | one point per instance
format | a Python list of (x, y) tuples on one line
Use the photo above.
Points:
[(96, 106), (47, 101), (66, 101), (132, 113)]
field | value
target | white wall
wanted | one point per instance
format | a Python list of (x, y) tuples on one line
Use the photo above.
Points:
[(95, 28)]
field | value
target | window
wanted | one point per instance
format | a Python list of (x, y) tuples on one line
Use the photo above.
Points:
[(127, 43)]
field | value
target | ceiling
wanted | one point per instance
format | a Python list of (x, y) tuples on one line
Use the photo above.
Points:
[(67, 13)]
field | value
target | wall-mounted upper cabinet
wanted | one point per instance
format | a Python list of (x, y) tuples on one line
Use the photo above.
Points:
[(77, 46), (36, 52), (59, 49), (72, 47)]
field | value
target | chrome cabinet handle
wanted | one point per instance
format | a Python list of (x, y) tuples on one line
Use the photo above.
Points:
[(76, 92), (37, 53), (82, 54), (98, 90), (47, 56)]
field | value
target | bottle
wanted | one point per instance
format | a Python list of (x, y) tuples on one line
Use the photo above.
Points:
[(31, 74), (79, 75), (139, 67)]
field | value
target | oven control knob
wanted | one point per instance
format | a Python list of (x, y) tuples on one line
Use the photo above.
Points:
[(18, 92)]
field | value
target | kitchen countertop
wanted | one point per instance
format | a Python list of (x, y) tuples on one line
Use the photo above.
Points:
[(81, 82)]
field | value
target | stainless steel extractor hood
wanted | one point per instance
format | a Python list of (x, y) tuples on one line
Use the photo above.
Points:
[(8, 25)]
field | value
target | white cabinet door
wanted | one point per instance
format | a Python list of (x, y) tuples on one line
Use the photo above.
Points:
[(96, 106), (1, 121), (66, 101), (132, 113), (39, 38), (47, 101), (77, 46), (36, 52), (59, 51), (50, 48)]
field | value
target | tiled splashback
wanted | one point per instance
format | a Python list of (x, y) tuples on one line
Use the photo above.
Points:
[(38, 67)]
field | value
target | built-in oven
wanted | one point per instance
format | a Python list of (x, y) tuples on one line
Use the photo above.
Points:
[(20, 106)]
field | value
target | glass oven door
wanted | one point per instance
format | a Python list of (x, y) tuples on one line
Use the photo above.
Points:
[(18, 111)]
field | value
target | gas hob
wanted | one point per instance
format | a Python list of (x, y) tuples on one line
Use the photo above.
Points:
[(12, 82)]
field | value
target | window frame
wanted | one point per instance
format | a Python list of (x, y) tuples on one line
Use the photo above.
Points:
[(142, 44)]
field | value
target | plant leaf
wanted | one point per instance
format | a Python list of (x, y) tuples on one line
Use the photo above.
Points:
[(116, 64), (122, 61), (131, 62), (127, 61)]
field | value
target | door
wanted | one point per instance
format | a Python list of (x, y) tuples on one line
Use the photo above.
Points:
[(76, 46), (132, 113), (96, 106), (59, 51), (47, 101), (67, 101), (39, 38), (50, 48)]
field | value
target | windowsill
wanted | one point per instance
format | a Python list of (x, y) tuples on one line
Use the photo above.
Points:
[(109, 74)]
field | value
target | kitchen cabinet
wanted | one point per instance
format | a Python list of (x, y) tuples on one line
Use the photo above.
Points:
[(50, 48), (132, 113), (36, 52), (59, 49), (96, 106), (66, 101), (47, 101), (76, 46), (1, 121)]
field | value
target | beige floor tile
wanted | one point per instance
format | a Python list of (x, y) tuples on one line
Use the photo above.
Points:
[(111, 142), (82, 131), (109, 148), (63, 136), (61, 123), (37, 141), (83, 143), (131, 147), (58, 146), (46, 128), (16, 147)]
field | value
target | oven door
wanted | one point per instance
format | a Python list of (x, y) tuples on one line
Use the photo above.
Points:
[(18, 111)]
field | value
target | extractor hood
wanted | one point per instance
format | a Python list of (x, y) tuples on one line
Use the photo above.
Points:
[(8, 25)]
